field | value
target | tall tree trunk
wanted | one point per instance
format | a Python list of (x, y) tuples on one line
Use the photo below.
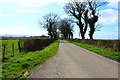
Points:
[(55, 35), (91, 36), (51, 35), (91, 32), (82, 34), (81, 29), (92, 25), (71, 35), (86, 26), (85, 20)]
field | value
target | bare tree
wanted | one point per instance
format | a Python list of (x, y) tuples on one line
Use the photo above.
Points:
[(54, 31), (85, 17), (76, 9), (93, 18), (66, 28), (49, 23), (86, 10)]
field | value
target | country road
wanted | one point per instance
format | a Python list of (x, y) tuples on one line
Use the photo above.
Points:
[(72, 61)]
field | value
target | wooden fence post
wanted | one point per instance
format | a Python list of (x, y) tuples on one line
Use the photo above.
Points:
[(3, 56), (13, 49), (19, 48)]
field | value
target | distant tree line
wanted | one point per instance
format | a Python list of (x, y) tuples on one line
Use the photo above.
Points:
[(56, 26), (84, 14), (24, 37)]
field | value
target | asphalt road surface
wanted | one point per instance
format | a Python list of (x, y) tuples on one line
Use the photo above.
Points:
[(72, 61)]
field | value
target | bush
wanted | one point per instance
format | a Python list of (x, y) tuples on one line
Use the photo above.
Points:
[(36, 44)]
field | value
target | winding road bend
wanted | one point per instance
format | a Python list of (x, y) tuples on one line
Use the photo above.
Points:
[(72, 61)]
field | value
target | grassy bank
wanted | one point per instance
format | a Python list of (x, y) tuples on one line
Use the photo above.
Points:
[(16, 66), (101, 51), (106, 44)]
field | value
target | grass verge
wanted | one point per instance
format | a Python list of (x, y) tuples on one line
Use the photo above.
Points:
[(106, 53), (16, 66)]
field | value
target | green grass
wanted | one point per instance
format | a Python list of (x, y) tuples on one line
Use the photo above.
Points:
[(101, 51), (8, 50), (16, 66)]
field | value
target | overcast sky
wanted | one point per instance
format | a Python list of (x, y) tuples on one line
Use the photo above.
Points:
[(21, 17)]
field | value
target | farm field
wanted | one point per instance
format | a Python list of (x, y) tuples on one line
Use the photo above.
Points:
[(15, 66), (8, 49)]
